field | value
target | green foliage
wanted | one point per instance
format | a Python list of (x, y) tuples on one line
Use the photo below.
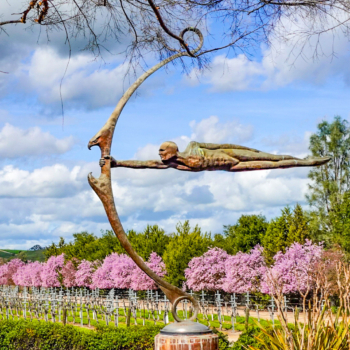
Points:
[(244, 235), (248, 338), (332, 180), (86, 246), (183, 246), (35, 335), (290, 227), (22, 256), (224, 343), (339, 220), (152, 239), (321, 331), (89, 247)]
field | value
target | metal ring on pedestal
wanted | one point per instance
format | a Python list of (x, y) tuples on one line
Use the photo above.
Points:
[(192, 300)]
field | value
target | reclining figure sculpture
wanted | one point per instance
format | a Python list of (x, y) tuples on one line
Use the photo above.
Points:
[(209, 156)]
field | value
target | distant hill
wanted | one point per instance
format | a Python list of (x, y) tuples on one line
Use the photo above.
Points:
[(33, 255), (34, 248)]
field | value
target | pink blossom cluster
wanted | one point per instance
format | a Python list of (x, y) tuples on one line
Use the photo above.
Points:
[(207, 272), (247, 272), (293, 271), (244, 271), (116, 271)]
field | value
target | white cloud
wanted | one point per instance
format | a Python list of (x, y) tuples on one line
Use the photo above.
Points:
[(296, 58), (54, 181), (85, 85), (16, 142), (211, 130), (289, 144), (229, 74)]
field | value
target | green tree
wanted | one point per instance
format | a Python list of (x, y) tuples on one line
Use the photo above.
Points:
[(22, 256), (184, 245), (152, 239), (339, 219), (331, 181), (244, 235), (55, 249), (86, 246), (290, 227)]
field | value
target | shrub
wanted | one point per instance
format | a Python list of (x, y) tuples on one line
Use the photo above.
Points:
[(39, 335), (248, 338), (35, 335)]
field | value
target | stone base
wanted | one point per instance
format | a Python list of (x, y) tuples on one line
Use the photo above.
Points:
[(186, 342)]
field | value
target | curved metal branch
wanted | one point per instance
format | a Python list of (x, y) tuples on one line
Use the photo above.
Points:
[(103, 185)]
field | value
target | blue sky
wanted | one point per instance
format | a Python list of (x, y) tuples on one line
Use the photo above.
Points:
[(272, 103)]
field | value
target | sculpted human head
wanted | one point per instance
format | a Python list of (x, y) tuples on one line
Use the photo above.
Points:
[(168, 150)]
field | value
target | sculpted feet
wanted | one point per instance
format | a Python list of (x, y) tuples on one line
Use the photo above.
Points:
[(316, 160)]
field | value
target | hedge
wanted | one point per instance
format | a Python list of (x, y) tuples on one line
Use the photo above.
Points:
[(35, 335), (39, 335)]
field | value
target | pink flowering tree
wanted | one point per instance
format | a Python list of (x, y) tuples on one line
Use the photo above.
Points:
[(8, 270), (29, 275), (101, 278), (51, 272), (140, 281), (85, 270), (68, 273), (122, 272), (207, 272), (294, 270), (244, 271), (115, 272)]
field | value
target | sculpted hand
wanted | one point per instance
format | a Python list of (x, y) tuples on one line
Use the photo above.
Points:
[(102, 161)]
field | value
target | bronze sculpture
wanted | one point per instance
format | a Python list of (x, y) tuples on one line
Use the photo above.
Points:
[(196, 158), (210, 156)]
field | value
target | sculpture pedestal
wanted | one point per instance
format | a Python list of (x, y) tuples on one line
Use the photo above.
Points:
[(186, 335)]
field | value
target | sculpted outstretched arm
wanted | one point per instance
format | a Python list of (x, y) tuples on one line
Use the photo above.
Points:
[(135, 164), (139, 164), (214, 146)]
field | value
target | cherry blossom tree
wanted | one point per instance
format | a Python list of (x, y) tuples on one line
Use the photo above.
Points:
[(294, 270), (140, 281), (85, 270), (7, 271), (207, 272), (101, 278), (51, 271), (68, 273), (29, 275), (122, 272), (244, 271)]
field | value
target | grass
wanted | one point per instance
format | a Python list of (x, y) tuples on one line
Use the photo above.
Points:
[(12, 251), (37, 255), (5, 254), (147, 317)]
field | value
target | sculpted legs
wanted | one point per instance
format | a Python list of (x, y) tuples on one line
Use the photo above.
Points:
[(281, 164)]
